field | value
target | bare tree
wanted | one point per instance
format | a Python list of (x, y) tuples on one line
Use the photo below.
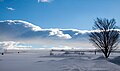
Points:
[(106, 37)]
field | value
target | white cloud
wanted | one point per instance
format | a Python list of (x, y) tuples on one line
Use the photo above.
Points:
[(24, 23), (12, 45), (27, 24), (44, 1), (8, 44), (10, 8), (59, 33)]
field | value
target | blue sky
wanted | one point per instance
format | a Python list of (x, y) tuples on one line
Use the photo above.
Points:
[(66, 14)]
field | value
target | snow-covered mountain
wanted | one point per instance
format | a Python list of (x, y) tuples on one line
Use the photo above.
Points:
[(23, 29)]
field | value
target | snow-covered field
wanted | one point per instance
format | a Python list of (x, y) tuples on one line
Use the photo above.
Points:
[(39, 60)]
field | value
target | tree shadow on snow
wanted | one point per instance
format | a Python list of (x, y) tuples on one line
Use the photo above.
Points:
[(116, 60), (0, 59)]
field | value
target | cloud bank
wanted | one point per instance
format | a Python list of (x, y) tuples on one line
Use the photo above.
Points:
[(23, 31), (24, 23)]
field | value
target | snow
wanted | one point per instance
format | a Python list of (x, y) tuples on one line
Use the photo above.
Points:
[(39, 60)]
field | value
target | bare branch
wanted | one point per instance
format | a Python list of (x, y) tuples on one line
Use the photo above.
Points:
[(108, 38)]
